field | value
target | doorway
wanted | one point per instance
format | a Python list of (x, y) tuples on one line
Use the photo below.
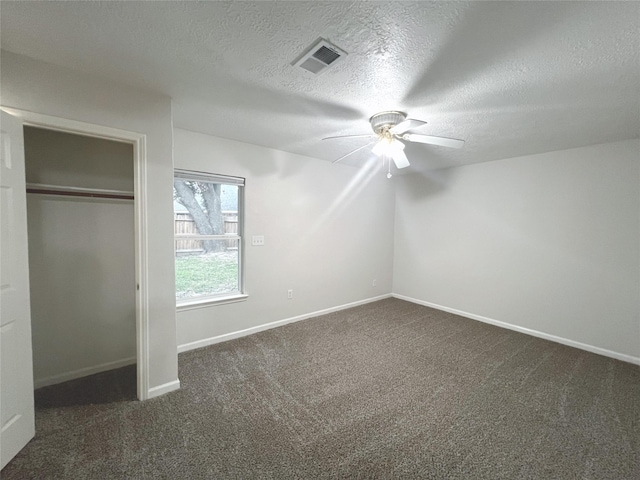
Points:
[(80, 216), (138, 144)]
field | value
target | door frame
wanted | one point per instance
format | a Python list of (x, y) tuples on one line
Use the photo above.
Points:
[(138, 141)]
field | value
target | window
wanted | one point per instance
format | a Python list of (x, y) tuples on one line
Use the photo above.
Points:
[(208, 211)]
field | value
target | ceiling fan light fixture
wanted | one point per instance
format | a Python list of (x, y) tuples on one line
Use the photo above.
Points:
[(381, 148), (387, 147), (383, 121), (390, 127), (392, 149)]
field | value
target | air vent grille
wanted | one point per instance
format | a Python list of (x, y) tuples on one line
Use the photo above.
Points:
[(326, 55), (317, 58)]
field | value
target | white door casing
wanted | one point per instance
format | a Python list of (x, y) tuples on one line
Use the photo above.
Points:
[(140, 201), (16, 370)]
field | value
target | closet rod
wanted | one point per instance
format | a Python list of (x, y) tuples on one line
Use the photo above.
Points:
[(78, 192)]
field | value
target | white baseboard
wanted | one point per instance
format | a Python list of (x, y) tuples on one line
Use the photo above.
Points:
[(267, 326), (82, 372), (528, 331), (162, 389)]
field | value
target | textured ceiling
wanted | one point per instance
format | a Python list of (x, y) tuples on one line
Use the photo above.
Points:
[(510, 78)]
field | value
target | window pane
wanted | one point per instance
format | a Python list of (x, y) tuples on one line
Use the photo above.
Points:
[(211, 269), (206, 268), (204, 207)]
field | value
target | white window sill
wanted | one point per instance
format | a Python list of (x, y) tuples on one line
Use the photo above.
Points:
[(211, 302)]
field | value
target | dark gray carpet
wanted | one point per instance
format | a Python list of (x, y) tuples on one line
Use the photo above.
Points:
[(385, 390)]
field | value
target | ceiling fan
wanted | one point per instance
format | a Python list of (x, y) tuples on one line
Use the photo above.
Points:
[(391, 127)]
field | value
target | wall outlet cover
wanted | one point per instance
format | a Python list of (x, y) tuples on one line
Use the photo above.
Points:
[(257, 240)]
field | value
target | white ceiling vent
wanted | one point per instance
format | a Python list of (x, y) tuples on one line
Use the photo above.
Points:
[(319, 57)]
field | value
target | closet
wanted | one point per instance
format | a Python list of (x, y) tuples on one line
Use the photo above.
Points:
[(80, 216)]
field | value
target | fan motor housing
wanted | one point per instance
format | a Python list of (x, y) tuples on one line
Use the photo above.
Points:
[(383, 121)]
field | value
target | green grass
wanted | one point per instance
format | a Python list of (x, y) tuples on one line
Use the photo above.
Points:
[(206, 274)]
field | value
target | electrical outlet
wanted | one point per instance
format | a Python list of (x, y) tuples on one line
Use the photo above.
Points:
[(290, 294), (373, 284), (257, 240)]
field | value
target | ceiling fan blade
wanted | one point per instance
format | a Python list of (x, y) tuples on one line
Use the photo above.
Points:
[(400, 159), (431, 140), (406, 125), (352, 152), (350, 136)]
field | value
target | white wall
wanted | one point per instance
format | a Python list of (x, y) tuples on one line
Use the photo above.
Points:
[(81, 257), (59, 158), (546, 242), (35, 86), (328, 233)]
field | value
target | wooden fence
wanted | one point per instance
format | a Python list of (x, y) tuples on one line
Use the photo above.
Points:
[(184, 225)]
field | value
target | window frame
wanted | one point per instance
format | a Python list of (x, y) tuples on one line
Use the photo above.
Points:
[(223, 298)]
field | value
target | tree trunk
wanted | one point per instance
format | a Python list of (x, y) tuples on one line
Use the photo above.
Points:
[(187, 197), (213, 203)]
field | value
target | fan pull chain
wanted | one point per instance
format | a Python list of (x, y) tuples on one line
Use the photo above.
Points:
[(389, 168)]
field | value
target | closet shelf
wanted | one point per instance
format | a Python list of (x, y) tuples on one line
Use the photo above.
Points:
[(43, 189)]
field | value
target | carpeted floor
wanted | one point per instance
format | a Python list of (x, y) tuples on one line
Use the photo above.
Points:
[(385, 390)]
